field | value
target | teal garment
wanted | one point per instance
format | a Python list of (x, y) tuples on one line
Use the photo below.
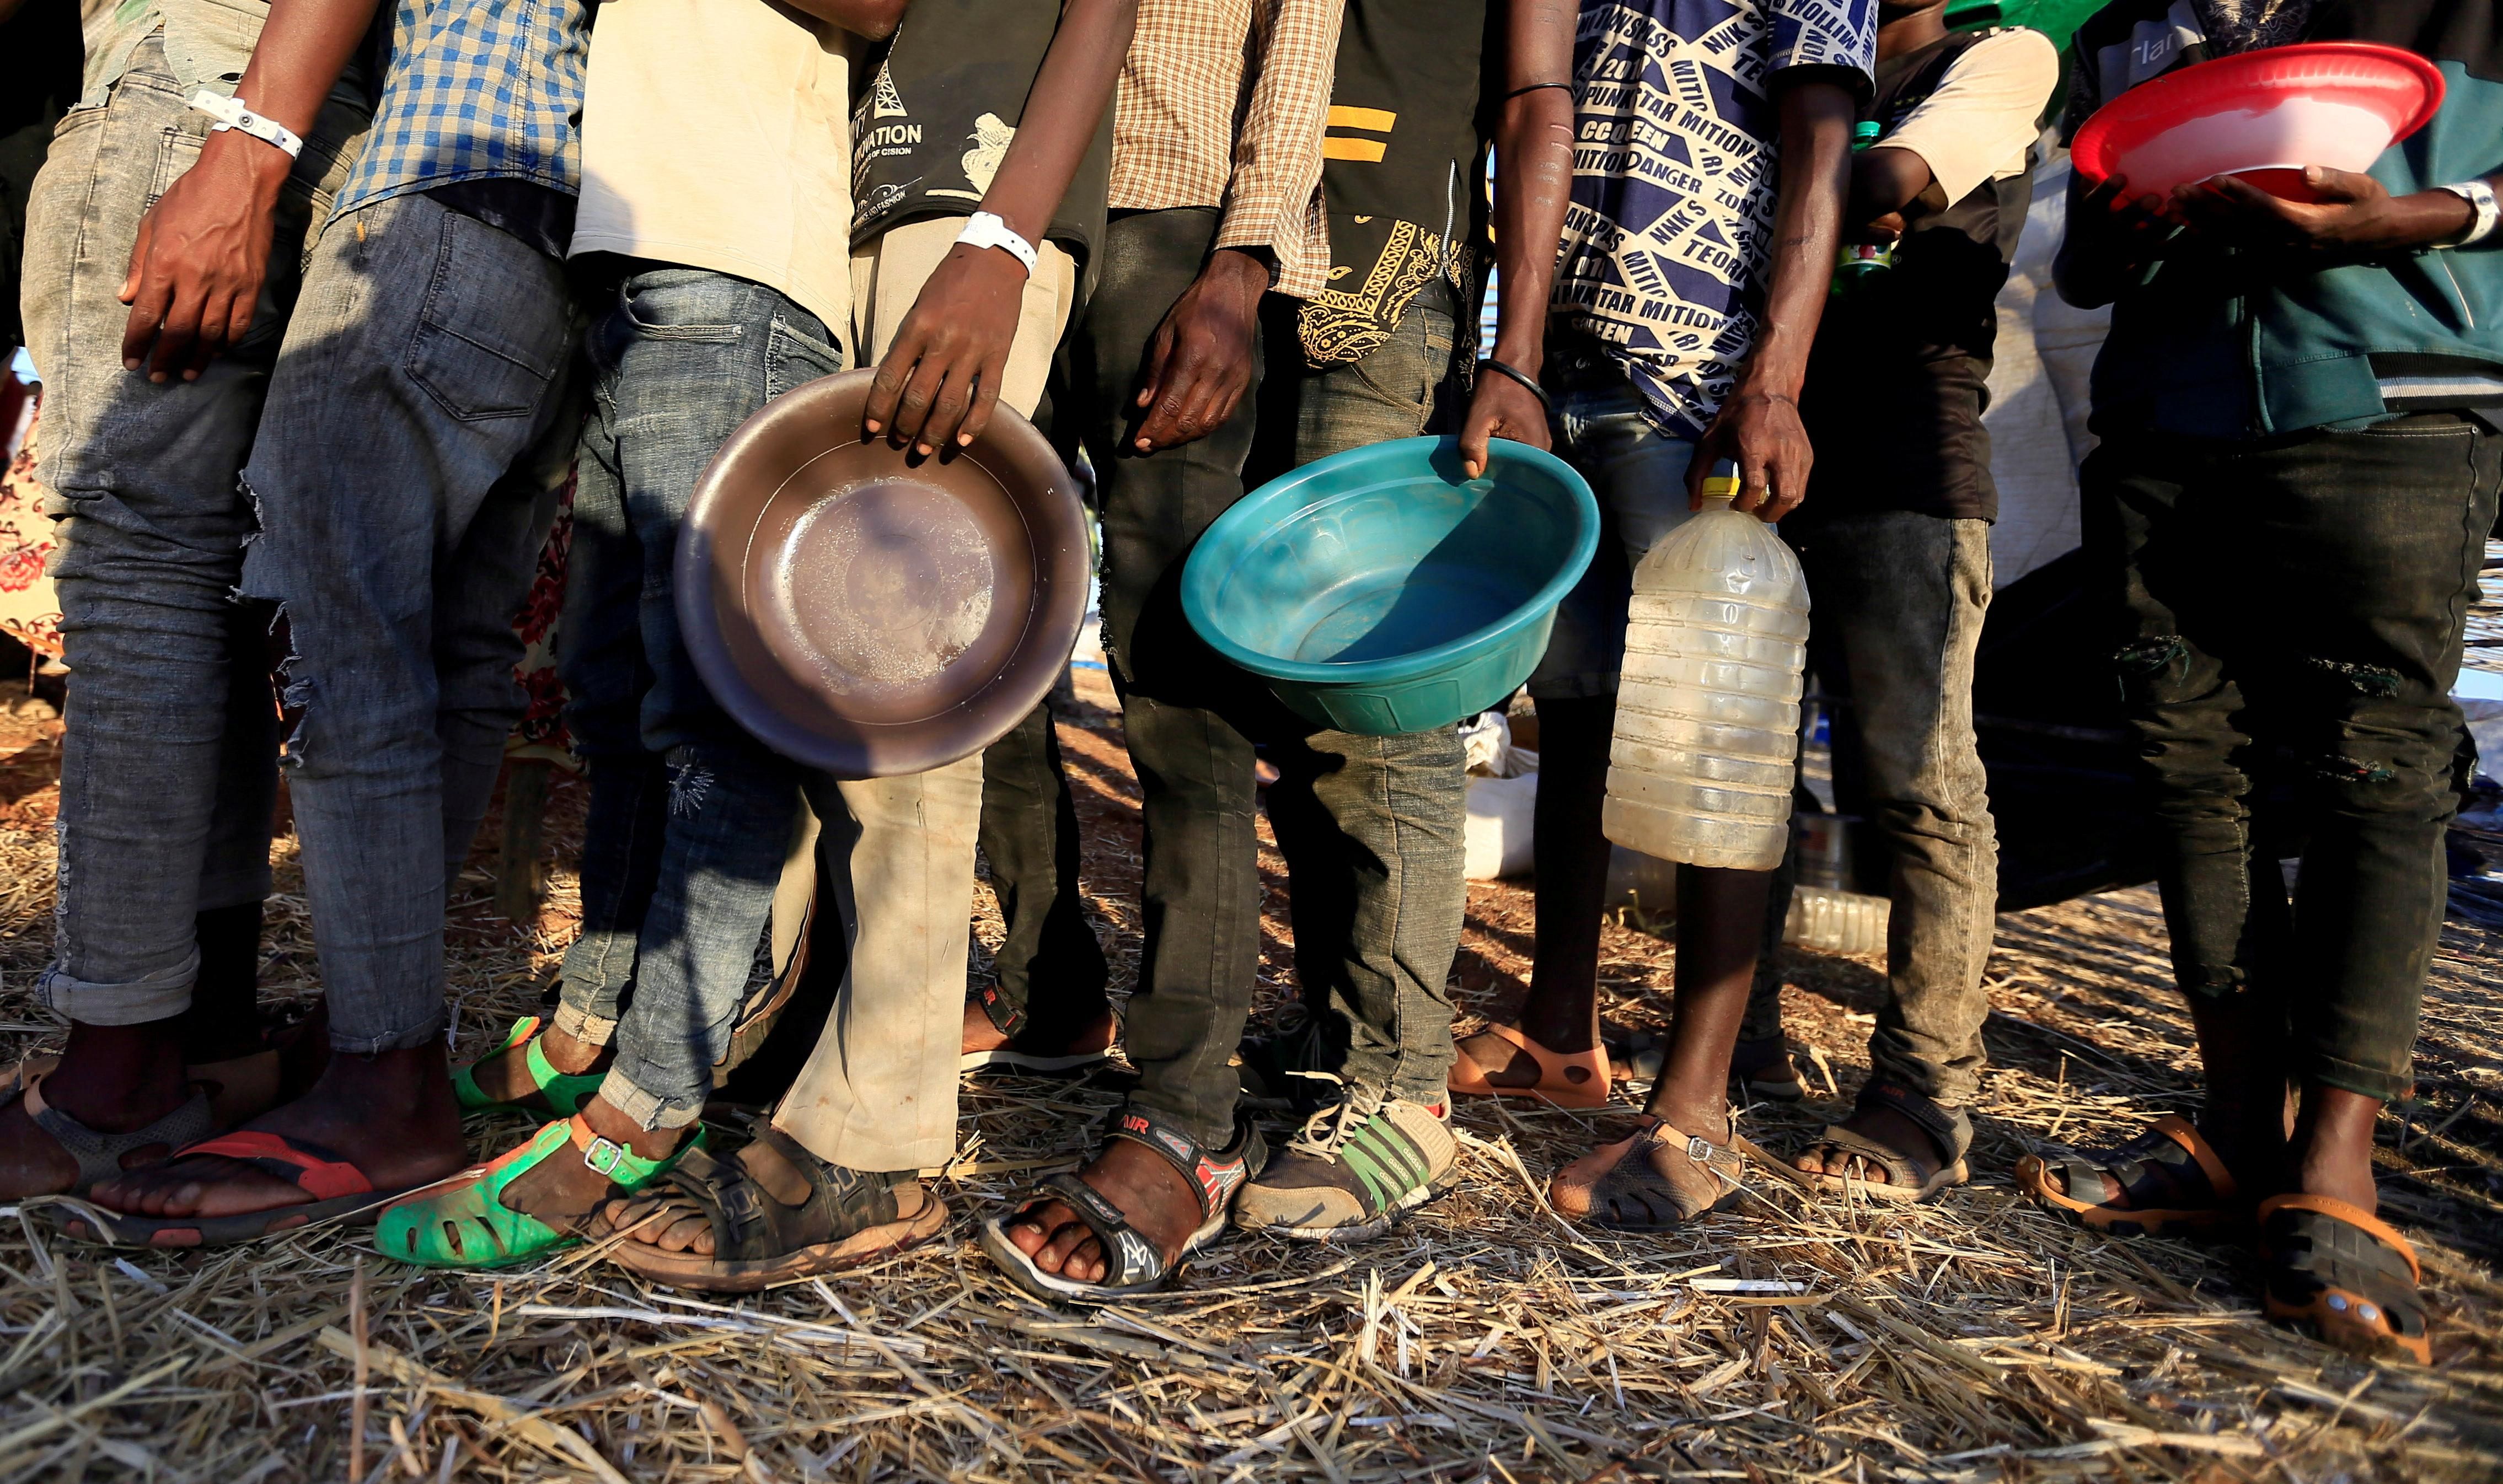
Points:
[(2218, 344)]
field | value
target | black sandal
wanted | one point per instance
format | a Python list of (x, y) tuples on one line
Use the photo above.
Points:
[(1950, 1133), (1132, 1263), (2169, 1181), (852, 1216)]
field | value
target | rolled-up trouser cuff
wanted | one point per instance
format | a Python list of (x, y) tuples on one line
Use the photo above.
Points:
[(647, 1110), (160, 995), (349, 1043), (2367, 1081), (583, 1026)]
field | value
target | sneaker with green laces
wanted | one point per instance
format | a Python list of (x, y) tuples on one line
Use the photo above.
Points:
[(1358, 1166)]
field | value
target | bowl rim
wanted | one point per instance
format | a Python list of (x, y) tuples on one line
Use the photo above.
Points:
[(855, 756), (2092, 150), (1201, 577)]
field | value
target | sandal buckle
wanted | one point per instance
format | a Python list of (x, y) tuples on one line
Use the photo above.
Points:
[(602, 1155), (1699, 1149)]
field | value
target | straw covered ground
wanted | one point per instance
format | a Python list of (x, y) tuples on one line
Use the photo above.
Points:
[(1486, 1340)]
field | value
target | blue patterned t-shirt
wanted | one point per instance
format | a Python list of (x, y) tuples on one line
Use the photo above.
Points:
[(1667, 239)]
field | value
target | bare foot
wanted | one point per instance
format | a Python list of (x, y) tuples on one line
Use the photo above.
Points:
[(563, 1190), (390, 1115), (1162, 1205), (506, 1078), (1878, 1125), (111, 1078)]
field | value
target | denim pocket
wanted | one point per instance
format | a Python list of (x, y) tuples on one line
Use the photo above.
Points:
[(794, 358), (464, 352), (680, 304)]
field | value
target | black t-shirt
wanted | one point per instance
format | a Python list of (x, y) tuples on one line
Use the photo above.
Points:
[(1403, 175), (934, 122), (1894, 385)]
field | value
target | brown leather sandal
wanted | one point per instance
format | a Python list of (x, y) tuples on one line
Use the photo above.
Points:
[(2343, 1273), (2152, 1173), (1617, 1186), (1565, 1079)]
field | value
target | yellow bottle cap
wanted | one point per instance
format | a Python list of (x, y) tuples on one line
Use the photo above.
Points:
[(1722, 484)]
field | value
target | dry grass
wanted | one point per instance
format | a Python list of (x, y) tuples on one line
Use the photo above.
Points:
[(1484, 1340)]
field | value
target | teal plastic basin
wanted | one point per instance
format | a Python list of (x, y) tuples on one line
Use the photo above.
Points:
[(1381, 591)]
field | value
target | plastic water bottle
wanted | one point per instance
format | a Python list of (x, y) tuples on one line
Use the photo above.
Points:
[(1707, 714), (1828, 921), (1858, 261)]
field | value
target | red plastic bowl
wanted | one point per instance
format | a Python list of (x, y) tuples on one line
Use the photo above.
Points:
[(2262, 115)]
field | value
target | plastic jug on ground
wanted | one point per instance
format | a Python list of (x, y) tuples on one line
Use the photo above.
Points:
[(1707, 743)]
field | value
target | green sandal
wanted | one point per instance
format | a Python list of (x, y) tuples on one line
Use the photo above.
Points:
[(565, 1093), (468, 1225)]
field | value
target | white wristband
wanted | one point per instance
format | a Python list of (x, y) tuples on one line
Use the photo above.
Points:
[(986, 229), (2484, 217), (230, 114)]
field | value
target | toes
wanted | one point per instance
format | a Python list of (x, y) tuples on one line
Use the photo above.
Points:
[(1086, 1263)]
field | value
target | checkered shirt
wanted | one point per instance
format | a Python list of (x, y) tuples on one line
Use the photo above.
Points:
[(478, 89), (1173, 137)]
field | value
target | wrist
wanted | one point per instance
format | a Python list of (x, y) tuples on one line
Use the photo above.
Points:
[(234, 153), (1240, 271)]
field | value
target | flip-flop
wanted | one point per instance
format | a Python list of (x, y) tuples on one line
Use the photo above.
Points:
[(565, 1093), (1951, 1134), (468, 1224), (1630, 1196), (338, 1188), (2343, 1273), (99, 1155), (850, 1218), (1133, 1265), (1565, 1079), (2147, 1169)]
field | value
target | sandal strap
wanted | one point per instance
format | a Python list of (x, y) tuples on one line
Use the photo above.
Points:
[(2181, 1131), (1130, 1259), (604, 1156), (1950, 1130), (325, 1174), (749, 1224), (1213, 1177), (2346, 1214), (99, 1154), (1724, 1161), (1898, 1165)]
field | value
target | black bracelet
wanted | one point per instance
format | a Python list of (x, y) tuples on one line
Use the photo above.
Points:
[(1490, 363), (1534, 88)]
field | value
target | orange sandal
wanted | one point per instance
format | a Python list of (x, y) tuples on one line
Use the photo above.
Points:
[(2345, 1274), (1566, 1080), (2151, 1173)]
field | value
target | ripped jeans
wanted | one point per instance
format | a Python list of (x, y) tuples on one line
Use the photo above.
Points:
[(416, 440), (2296, 607), (169, 769)]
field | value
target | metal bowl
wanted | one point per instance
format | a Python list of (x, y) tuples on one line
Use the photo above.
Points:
[(870, 612)]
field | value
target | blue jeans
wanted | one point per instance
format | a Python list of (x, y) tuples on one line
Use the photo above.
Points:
[(407, 467), (1638, 473), (169, 769), (678, 359)]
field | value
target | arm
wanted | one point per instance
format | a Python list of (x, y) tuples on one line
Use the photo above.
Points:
[(1982, 116), (196, 269), (2355, 217), (1534, 177), (876, 19), (940, 378), (2111, 238), (1199, 364), (1758, 426)]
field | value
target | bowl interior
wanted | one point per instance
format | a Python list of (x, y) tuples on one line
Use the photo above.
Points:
[(871, 612), (1402, 559), (2337, 104)]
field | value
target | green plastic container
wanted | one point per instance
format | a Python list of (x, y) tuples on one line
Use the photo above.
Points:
[(1381, 591)]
